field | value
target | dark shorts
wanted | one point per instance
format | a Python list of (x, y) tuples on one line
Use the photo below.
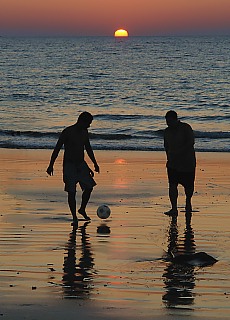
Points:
[(73, 174), (186, 179)]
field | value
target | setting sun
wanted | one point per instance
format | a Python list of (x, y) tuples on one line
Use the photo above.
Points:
[(121, 33)]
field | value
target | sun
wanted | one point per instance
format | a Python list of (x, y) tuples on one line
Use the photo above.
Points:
[(121, 33)]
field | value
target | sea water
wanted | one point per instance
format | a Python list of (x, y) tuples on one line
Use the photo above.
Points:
[(128, 84)]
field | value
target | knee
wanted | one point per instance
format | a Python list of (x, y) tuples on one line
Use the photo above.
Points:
[(88, 190)]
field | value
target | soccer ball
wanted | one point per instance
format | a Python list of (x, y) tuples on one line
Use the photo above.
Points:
[(103, 211)]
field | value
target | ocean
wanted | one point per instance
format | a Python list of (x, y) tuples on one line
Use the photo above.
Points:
[(128, 84)]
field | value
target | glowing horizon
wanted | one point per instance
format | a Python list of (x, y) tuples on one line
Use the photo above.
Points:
[(100, 17)]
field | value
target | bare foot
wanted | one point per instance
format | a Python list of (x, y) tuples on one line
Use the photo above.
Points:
[(171, 213), (83, 213)]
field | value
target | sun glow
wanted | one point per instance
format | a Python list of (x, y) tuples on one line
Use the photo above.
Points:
[(121, 33)]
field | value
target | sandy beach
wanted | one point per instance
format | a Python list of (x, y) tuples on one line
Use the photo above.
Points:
[(117, 268)]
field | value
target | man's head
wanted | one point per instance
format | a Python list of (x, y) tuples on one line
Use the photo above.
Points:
[(85, 119), (171, 118)]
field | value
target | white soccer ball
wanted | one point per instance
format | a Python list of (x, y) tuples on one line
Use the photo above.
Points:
[(103, 211)]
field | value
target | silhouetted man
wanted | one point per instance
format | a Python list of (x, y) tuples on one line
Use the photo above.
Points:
[(181, 160), (75, 170)]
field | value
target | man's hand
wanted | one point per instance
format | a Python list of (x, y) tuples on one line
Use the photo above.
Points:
[(50, 170), (91, 172), (96, 168)]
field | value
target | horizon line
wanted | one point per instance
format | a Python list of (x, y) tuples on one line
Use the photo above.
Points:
[(54, 35)]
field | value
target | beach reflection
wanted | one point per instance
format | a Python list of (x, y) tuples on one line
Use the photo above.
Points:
[(179, 279), (78, 276), (103, 230)]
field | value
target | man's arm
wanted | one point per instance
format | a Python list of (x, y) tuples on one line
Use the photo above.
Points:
[(55, 153), (189, 139), (165, 144), (90, 153)]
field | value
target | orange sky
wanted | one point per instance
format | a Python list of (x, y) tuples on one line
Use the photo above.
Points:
[(103, 17)]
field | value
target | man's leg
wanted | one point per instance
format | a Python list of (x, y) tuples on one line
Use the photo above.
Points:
[(173, 196), (173, 191), (189, 193), (84, 201), (72, 205), (189, 190)]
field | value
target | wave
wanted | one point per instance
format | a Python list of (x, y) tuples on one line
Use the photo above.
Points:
[(123, 117), (146, 134), (38, 134), (115, 136), (124, 147), (159, 117), (140, 140), (35, 134), (212, 135)]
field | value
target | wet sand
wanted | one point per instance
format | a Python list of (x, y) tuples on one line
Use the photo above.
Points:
[(117, 268)]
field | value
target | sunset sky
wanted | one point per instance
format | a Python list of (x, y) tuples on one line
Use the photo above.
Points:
[(103, 17)]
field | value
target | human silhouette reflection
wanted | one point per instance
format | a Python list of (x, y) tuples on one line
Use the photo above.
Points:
[(179, 279), (78, 277)]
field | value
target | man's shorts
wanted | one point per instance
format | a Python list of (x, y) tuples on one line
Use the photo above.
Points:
[(186, 179), (73, 174)]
